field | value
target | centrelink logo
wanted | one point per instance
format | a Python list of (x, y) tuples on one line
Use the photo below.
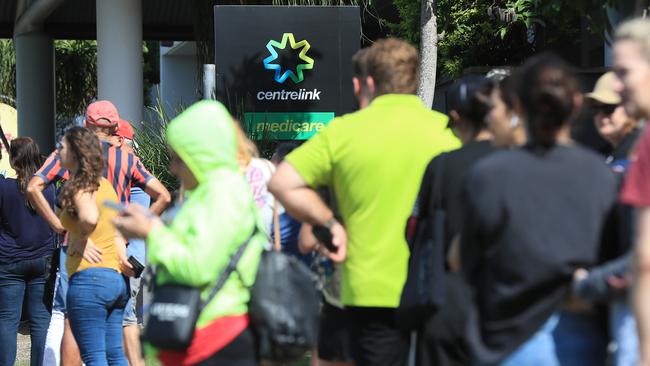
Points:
[(297, 75)]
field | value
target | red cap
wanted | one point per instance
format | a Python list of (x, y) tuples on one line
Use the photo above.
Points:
[(102, 113), (124, 129)]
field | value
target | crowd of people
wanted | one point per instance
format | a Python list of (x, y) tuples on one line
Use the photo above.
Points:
[(539, 246)]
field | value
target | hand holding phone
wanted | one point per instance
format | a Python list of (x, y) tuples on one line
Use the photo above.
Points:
[(324, 236), (137, 266)]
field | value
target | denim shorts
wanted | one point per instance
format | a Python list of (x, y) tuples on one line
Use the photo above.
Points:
[(130, 311), (136, 248)]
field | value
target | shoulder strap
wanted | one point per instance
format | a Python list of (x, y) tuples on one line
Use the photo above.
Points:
[(232, 266), (276, 227), (436, 191)]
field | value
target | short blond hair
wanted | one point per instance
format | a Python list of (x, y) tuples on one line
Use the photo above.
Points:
[(394, 66), (636, 30)]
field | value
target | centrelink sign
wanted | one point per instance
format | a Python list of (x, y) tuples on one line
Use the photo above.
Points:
[(286, 70)]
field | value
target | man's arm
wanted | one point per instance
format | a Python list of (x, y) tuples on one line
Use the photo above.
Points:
[(300, 200), (153, 187), (39, 202), (159, 195), (641, 289), (304, 204)]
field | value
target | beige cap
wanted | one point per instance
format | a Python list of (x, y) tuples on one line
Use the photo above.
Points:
[(604, 90)]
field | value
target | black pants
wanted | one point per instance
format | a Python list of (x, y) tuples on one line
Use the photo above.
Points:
[(334, 335), (375, 339), (240, 352), (441, 340)]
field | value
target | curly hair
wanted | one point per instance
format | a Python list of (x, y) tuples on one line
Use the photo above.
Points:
[(87, 151)]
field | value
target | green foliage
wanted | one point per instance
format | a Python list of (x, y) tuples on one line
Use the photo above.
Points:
[(151, 146), (315, 2), (76, 76), (7, 71), (75, 72), (468, 36), (408, 26)]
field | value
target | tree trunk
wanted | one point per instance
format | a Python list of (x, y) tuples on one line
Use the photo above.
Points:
[(428, 52)]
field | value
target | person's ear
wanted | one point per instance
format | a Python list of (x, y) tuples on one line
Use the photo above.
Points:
[(356, 83), (455, 117), (517, 107), (370, 84), (578, 101)]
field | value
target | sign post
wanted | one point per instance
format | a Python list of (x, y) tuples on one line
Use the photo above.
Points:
[(286, 70)]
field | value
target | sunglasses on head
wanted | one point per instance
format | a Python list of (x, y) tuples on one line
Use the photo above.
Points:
[(606, 109)]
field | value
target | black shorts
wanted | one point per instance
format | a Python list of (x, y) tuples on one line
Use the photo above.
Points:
[(375, 338), (333, 337)]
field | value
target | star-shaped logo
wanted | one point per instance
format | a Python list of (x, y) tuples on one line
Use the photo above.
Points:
[(296, 76)]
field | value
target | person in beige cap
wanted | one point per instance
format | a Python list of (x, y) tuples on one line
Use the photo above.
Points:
[(609, 282), (612, 122)]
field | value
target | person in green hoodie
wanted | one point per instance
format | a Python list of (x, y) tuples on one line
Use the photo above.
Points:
[(218, 215)]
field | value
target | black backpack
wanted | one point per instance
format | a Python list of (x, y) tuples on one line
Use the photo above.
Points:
[(424, 291)]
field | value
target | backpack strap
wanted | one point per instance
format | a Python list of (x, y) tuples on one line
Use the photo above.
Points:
[(230, 268)]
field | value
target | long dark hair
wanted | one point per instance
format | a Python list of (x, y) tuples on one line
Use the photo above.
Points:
[(86, 149), (25, 158), (546, 87)]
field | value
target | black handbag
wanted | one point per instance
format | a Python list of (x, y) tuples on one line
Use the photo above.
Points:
[(284, 306), (175, 308), (424, 291)]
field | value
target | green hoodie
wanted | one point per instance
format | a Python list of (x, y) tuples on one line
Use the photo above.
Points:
[(217, 217)]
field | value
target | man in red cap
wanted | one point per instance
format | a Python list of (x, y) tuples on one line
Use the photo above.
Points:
[(124, 170), (136, 248), (125, 132)]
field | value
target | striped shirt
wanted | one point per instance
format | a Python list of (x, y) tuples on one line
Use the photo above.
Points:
[(121, 167)]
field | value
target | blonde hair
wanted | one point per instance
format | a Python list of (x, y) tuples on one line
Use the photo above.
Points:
[(246, 149), (394, 66), (636, 30)]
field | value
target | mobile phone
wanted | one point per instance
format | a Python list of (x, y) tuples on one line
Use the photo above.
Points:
[(137, 266), (114, 205), (324, 236)]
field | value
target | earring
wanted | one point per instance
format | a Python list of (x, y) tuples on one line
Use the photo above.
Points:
[(514, 121)]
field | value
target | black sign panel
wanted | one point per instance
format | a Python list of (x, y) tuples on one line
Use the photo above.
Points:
[(286, 64)]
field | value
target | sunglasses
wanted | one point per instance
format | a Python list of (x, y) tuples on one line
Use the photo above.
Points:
[(606, 109)]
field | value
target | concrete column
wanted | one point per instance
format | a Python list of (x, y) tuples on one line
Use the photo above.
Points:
[(35, 88), (209, 81), (119, 56)]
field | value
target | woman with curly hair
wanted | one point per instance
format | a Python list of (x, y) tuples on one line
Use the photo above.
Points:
[(98, 291)]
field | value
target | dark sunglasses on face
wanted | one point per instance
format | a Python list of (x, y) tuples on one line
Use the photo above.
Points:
[(606, 109)]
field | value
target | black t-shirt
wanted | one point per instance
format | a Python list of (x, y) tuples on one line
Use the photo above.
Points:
[(457, 164), (453, 166), (532, 217)]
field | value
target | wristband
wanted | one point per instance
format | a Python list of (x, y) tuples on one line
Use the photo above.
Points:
[(330, 223)]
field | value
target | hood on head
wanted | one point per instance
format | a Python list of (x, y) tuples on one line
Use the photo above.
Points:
[(204, 137)]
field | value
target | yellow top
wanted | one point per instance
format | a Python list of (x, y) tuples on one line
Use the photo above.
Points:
[(104, 235)]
